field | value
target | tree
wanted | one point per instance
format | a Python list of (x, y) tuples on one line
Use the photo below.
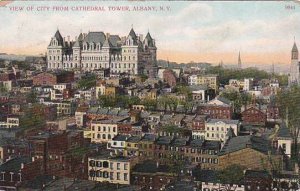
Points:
[(235, 97), (33, 117), (87, 81), (289, 108), (245, 99), (163, 101), (231, 176), (150, 104), (31, 97)]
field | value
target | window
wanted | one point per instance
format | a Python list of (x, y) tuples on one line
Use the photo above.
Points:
[(118, 166), (118, 176), (125, 176), (111, 166), (125, 166), (284, 147), (111, 175)]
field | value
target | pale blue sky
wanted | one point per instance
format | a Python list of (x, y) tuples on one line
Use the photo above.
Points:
[(200, 31)]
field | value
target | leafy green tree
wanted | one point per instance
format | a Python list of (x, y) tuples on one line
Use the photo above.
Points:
[(33, 117), (150, 104), (87, 81), (181, 89), (289, 108)]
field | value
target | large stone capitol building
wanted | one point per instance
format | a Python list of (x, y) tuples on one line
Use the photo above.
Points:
[(131, 54)]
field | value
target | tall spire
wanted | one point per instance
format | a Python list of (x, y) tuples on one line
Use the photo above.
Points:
[(239, 61), (295, 51)]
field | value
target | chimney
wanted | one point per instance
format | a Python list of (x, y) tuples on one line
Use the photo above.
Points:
[(107, 35), (141, 37), (69, 39), (64, 39)]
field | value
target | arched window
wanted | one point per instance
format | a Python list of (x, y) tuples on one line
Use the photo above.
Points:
[(108, 136), (103, 136)]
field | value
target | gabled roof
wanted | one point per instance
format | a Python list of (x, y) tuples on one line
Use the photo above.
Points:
[(241, 142), (220, 101)]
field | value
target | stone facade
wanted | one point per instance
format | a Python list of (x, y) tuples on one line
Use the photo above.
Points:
[(132, 54)]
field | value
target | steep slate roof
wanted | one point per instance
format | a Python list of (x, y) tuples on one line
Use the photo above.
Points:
[(241, 142), (284, 132), (95, 37), (295, 49), (59, 38), (149, 40), (132, 34), (114, 40)]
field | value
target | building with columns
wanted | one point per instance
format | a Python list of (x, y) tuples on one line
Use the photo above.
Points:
[(131, 54), (294, 76)]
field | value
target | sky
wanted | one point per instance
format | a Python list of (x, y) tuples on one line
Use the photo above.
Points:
[(190, 31)]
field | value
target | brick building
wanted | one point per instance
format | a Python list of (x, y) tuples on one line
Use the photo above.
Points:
[(254, 116), (59, 153), (170, 77), (257, 180), (151, 175), (9, 75), (218, 108), (52, 78)]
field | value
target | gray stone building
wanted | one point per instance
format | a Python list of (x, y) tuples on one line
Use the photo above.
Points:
[(131, 54)]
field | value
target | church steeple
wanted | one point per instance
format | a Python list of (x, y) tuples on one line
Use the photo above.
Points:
[(239, 61), (295, 52)]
